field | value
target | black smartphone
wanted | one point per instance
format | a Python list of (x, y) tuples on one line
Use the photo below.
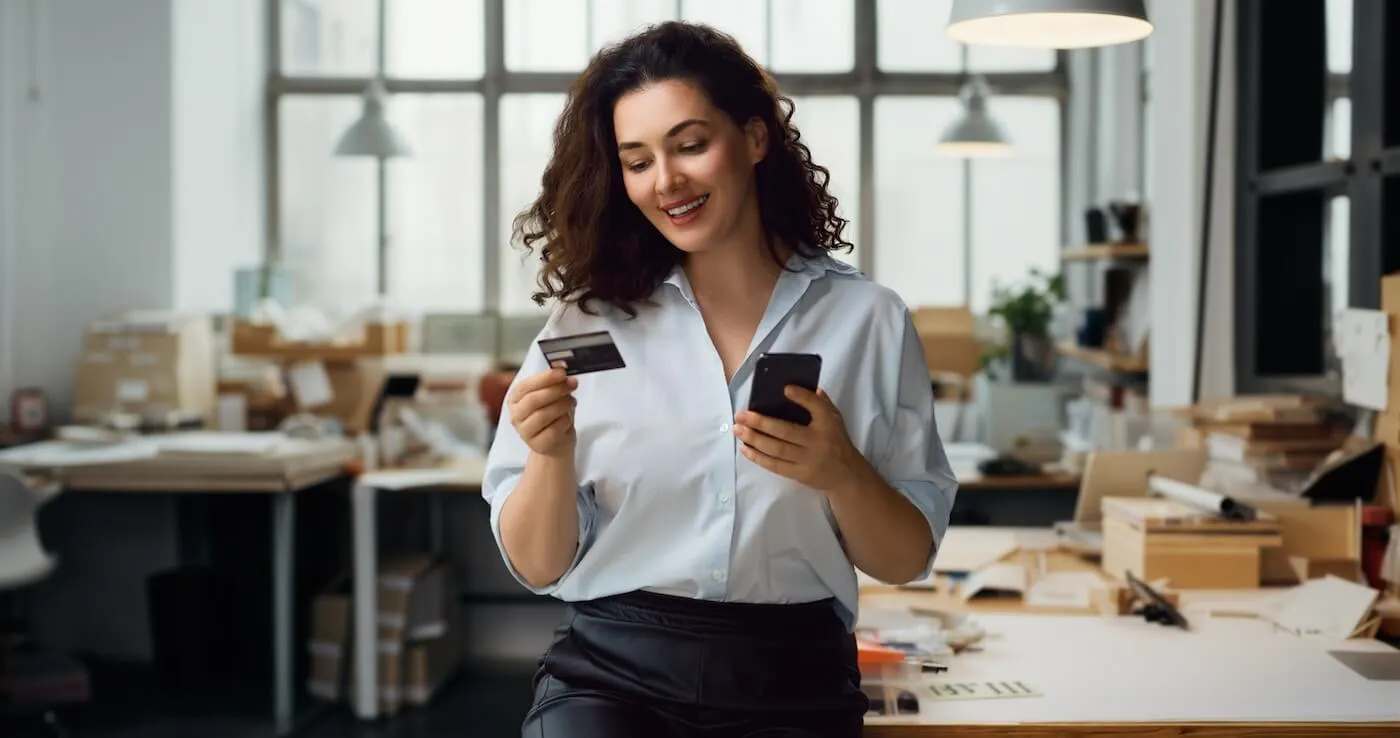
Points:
[(772, 374)]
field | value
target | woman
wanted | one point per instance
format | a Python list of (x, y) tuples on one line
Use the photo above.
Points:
[(707, 553)]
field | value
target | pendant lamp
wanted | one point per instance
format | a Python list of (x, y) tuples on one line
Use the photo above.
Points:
[(975, 133), (1048, 24), (372, 134)]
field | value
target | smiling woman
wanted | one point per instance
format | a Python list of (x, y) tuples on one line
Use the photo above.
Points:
[(647, 127), (706, 544)]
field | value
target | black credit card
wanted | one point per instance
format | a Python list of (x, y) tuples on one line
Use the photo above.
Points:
[(583, 353)]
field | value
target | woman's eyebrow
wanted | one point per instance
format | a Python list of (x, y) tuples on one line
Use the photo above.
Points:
[(677, 128)]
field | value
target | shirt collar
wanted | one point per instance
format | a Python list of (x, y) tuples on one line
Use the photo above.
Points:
[(810, 268)]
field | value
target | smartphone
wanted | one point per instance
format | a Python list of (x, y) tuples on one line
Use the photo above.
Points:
[(772, 374)]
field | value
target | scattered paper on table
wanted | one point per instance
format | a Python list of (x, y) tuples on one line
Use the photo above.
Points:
[(999, 579), (1363, 345)]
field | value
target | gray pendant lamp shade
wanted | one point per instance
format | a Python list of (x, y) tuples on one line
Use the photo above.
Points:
[(1048, 24), (975, 132), (372, 134)]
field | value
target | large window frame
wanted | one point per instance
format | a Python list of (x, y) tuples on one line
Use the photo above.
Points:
[(1281, 49), (865, 82)]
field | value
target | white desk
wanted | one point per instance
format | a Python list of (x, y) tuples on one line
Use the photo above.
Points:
[(1123, 675), (465, 476), (142, 466)]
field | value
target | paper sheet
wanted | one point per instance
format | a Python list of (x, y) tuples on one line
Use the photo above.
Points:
[(1329, 607), (1363, 345), (969, 549), (61, 454), (999, 579)]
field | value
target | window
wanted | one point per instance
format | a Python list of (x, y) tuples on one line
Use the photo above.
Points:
[(526, 124), (434, 39), (1313, 206), (911, 39), (434, 205), (328, 205), (941, 228), (1015, 213), (830, 126), (919, 212)]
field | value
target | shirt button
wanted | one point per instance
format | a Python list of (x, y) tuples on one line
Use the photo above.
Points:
[(723, 427), (724, 498), (717, 575)]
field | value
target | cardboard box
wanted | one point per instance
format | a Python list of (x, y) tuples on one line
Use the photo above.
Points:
[(1163, 539), (417, 593), (146, 362), (419, 634), (330, 641), (1317, 541), (948, 335)]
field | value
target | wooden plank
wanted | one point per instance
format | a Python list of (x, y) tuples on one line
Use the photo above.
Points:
[(1105, 251), (1103, 359), (874, 728)]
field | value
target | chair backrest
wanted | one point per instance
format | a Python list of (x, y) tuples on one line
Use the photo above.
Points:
[(23, 559)]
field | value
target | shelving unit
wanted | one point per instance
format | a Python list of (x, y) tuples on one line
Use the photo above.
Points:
[(1132, 256)]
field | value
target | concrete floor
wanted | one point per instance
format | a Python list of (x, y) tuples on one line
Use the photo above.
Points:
[(480, 704)]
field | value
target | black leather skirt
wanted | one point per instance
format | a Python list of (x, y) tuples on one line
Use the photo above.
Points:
[(644, 664)]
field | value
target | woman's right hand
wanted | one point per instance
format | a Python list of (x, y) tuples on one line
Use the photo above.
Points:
[(542, 411)]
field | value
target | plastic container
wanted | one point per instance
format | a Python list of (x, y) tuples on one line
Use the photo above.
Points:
[(889, 678)]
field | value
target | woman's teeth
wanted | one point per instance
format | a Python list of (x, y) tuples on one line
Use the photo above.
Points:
[(683, 209)]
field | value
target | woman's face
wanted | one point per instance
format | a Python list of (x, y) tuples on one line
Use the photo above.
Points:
[(685, 163)]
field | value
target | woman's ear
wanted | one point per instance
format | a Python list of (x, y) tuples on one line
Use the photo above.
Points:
[(756, 136)]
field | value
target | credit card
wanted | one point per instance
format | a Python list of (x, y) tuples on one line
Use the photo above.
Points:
[(583, 353)]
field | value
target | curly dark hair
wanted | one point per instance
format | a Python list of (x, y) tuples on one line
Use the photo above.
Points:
[(596, 244)]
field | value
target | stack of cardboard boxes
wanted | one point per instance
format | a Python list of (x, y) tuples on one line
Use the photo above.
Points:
[(146, 363), (419, 634)]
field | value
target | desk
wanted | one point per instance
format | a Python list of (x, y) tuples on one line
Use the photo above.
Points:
[(1227, 676), (463, 476), (290, 469)]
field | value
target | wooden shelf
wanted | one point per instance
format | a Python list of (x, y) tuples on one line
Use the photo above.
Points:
[(1103, 359), (1105, 251)]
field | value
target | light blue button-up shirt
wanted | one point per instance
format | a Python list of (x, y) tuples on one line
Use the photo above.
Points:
[(668, 504)]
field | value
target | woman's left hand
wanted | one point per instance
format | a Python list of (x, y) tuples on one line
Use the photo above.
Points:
[(819, 455)]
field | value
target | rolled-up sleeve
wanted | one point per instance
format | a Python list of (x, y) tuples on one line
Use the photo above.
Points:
[(915, 463), (505, 463)]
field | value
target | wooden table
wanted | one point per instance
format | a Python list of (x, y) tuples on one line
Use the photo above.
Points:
[(1108, 675), (281, 474)]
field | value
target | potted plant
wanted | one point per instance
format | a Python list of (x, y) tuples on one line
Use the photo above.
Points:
[(1027, 311)]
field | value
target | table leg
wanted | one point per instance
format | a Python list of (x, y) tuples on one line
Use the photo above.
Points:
[(366, 601), (438, 521), (283, 526)]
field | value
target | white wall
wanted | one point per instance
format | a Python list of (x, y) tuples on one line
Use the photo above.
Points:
[(134, 179), (13, 29), (1180, 87)]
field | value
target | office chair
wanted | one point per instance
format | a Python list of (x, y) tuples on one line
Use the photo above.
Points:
[(23, 561)]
